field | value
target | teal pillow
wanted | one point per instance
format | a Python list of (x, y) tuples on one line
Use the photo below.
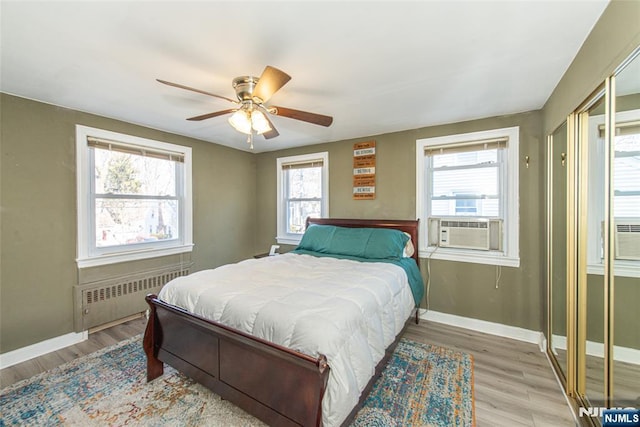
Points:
[(317, 238), (373, 243), (386, 243), (350, 241)]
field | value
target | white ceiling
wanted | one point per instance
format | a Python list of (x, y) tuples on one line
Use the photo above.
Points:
[(376, 67)]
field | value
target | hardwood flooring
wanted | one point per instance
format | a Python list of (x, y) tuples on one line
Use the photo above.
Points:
[(514, 384), (626, 383)]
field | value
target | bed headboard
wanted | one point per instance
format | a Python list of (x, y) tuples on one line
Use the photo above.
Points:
[(406, 225)]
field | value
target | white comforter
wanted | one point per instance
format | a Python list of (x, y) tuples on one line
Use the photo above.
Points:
[(349, 311)]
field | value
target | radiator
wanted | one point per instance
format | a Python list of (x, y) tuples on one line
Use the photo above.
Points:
[(106, 301)]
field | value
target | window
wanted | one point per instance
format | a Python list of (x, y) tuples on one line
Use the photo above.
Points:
[(472, 180), (626, 190), (626, 166), (303, 188), (134, 197), (465, 180)]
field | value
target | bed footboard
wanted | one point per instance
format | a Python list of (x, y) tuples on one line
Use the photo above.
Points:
[(273, 383)]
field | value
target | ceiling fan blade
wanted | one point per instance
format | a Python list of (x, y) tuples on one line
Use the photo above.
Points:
[(210, 115), (305, 116), (269, 83), (195, 90), (273, 132)]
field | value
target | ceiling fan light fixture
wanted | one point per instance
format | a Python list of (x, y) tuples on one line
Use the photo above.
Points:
[(259, 122), (250, 114), (241, 121)]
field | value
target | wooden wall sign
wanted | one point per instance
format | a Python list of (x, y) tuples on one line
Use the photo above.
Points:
[(364, 170)]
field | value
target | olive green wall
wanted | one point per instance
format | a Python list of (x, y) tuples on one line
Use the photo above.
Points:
[(626, 316), (462, 289), (38, 208)]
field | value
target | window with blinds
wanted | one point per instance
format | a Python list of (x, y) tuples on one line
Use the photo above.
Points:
[(302, 193), (469, 178), (136, 197), (626, 170), (466, 179)]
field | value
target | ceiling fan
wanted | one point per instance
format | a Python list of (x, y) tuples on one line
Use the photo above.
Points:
[(251, 112)]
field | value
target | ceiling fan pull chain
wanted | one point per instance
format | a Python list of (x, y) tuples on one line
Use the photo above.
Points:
[(250, 140)]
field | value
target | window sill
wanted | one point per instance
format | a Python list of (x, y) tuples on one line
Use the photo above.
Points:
[(131, 256), (289, 240), (620, 269), (473, 256)]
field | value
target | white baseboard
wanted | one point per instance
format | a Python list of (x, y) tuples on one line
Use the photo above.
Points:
[(596, 349), (513, 332), (23, 354)]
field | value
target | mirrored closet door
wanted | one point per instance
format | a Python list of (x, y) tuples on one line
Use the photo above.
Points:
[(557, 246), (593, 246), (592, 288), (625, 204)]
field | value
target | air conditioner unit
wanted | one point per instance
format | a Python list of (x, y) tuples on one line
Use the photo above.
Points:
[(472, 233), (627, 239)]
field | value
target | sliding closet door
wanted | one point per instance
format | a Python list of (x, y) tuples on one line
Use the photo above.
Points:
[(597, 275), (625, 171), (557, 247), (591, 277)]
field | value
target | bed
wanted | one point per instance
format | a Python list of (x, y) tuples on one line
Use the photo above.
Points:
[(287, 367)]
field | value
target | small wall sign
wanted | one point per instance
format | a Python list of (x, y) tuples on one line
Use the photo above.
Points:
[(364, 170)]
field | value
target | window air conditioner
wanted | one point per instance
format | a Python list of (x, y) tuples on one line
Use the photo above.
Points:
[(627, 239), (472, 233)]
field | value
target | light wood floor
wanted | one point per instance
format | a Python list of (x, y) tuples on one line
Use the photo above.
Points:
[(626, 379), (514, 384)]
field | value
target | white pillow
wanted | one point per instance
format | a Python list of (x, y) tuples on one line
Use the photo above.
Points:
[(409, 250)]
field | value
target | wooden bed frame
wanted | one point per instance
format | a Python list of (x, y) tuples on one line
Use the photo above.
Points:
[(280, 386)]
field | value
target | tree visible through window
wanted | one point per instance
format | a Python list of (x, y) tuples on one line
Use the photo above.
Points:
[(302, 192), (134, 197)]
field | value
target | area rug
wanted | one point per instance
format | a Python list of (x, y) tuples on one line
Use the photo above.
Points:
[(422, 385)]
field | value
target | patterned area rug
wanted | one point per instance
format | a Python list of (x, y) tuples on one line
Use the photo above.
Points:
[(423, 385)]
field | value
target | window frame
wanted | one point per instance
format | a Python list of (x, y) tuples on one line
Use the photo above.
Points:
[(595, 201), (88, 254), (510, 255), (282, 236)]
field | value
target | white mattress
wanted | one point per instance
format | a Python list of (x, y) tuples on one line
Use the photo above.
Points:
[(349, 311)]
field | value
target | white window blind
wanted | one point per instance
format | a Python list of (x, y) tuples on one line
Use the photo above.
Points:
[(109, 145), (487, 144)]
